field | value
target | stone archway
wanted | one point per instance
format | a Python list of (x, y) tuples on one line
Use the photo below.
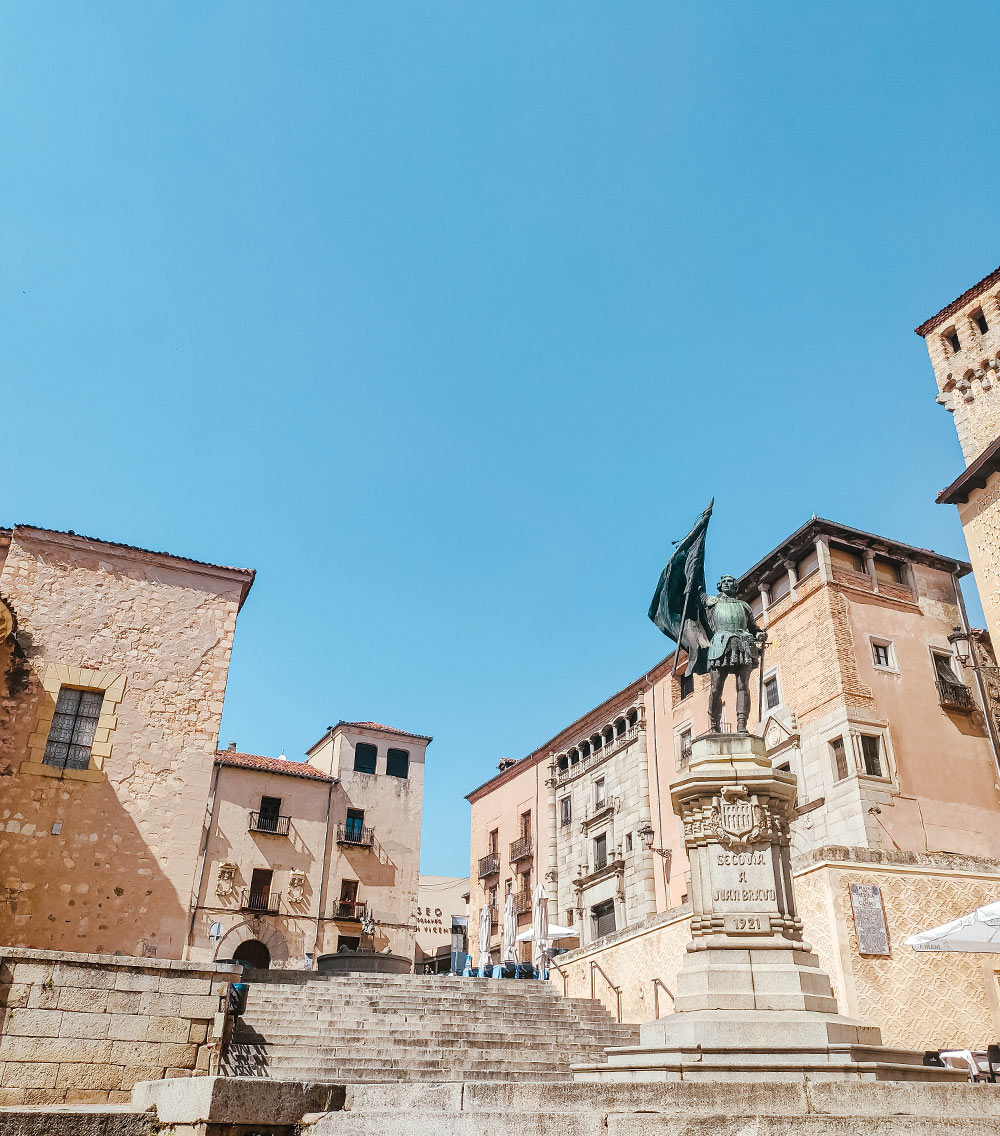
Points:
[(252, 952), (260, 930)]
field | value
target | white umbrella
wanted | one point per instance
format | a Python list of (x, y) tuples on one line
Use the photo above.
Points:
[(539, 925), (556, 931), (979, 931), (485, 930), (509, 930)]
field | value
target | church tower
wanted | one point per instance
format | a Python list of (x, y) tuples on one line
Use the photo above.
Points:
[(963, 341)]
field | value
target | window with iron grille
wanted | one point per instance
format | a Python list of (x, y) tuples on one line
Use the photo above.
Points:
[(772, 696), (871, 753), (604, 917), (74, 724), (566, 811), (365, 756), (397, 763), (600, 852)]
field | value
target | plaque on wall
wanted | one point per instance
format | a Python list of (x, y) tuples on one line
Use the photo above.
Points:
[(869, 921)]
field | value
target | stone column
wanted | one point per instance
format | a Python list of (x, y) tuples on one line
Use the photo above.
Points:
[(870, 568), (823, 556), (647, 883)]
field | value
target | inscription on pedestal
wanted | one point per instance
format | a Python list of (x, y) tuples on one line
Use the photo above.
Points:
[(742, 882)]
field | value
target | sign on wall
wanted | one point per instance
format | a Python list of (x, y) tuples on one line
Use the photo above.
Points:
[(869, 921)]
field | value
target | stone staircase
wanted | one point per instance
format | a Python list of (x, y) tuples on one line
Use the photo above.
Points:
[(376, 1028)]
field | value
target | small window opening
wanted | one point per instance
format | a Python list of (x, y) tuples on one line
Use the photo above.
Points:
[(397, 763), (871, 754), (839, 758), (687, 686), (953, 341), (980, 321), (365, 756), (772, 695)]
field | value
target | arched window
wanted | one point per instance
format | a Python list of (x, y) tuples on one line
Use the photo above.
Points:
[(620, 727), (633, 717), (596, 742), (563, 763), (609, 735), (585, 749), (574, 757)]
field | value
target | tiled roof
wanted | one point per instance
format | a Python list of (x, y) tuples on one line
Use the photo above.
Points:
[(967, 296), (269, 764), (248, 574), (384, 729)]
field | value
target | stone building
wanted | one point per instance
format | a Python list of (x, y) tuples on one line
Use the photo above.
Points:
[(124, 830), (863, 701), (963, 341), (113, 669), (441, 922), (304, 858)]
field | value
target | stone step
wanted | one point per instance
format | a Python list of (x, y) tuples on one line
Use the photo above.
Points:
[(258, 1032), (395, 1059), (354, 1076), (529, 1005)]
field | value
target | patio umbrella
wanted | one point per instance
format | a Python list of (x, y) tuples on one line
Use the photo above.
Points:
[(509, 929), (539, 926), (485, 930), (556, 932), (978, 931)]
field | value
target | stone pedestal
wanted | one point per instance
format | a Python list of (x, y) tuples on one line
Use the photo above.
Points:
[(752, 1000)]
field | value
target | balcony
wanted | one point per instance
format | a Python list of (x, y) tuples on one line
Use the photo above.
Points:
[(269, 822), (489, 865), (520, 849), (955, 696), (260, 902), (350, 911), (522, 902), (355, 835)]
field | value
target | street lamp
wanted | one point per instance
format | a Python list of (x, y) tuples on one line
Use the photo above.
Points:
[(646, 834), (959, 639)]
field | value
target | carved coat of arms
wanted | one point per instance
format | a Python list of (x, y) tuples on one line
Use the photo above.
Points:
[(737, 819)]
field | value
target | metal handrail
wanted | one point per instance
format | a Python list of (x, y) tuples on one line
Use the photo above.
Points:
[(617, 989), (657, 986), (552, 962), (350, 911)]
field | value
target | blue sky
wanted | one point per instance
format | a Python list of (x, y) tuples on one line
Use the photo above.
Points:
[(448, 318)]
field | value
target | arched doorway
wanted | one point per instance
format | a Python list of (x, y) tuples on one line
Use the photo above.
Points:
[(253, 953)]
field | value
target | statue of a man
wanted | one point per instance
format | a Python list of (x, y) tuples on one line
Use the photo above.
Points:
[(718, 634), (734, 649)]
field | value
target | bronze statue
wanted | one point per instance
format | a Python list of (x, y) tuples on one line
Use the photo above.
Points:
[(719, 633)]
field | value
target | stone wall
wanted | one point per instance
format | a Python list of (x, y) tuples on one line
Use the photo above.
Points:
[(920, 1000), (86, 1028)]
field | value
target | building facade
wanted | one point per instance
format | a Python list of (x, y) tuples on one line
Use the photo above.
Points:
[(863, 701), (113, 668), (963, 341), (124, 830), (307, 858), (441, 923)]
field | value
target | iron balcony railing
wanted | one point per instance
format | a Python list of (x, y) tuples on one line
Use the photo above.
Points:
[(269, 822), (260, 902), (520, 849), (355, 834), (522, 902), (489, 865), (350, 911), (955, 695), (600, 861)]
